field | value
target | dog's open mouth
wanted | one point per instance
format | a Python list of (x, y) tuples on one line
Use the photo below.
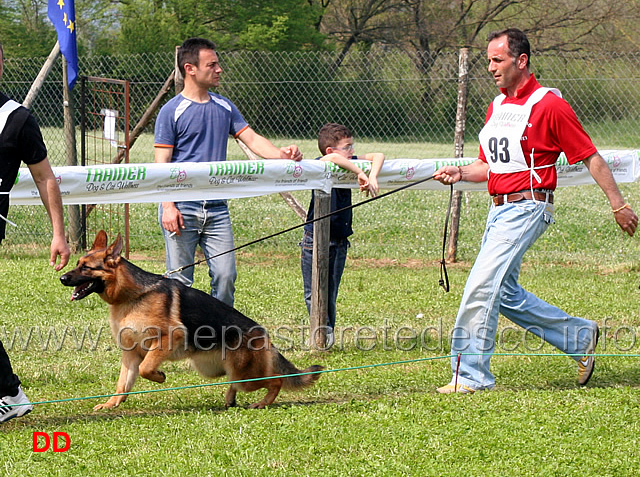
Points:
[(86, 289)]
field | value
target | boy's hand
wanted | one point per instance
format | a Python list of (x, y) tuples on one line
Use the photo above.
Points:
[(363, 180), (373, 188)]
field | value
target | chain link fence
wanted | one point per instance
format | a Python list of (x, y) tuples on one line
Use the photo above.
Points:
[(385, 96)]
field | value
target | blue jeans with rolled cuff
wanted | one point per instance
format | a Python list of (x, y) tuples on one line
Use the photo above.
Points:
[(208, 224), (492, 288)]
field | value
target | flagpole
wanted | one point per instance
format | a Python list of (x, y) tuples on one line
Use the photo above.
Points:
[(42, 76)]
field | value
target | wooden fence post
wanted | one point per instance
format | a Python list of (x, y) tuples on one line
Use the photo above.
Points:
[(75, 219), (178, 79), (39, 81), (461, 117), (320, 271)]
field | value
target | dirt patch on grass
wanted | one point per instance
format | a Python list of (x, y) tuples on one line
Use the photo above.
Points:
[(411, 263)]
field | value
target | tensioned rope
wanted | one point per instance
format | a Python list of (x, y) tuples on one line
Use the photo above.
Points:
[(444, 282), (444, 278), (324, 371)]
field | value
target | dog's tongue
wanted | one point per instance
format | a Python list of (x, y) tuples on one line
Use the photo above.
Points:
[(79, 292)]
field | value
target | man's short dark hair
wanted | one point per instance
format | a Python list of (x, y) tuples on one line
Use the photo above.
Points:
[(189, 51), (517, 41), (331, 134)]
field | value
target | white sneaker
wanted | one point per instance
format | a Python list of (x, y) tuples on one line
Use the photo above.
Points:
[(8, 408), (459, 388), (587, 363)]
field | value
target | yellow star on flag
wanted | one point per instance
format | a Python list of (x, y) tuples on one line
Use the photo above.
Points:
[(71, 26), (64, 18), (61, 4)]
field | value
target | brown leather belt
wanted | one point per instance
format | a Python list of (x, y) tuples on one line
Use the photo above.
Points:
[(544, 196)]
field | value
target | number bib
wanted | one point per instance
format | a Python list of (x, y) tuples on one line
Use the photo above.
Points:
[(501, 135)]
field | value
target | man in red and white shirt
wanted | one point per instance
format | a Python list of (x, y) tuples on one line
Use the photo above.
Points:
[(526, 129)]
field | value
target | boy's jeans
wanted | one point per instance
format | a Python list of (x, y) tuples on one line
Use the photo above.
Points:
[(337, 259), (493, 288), (207, 223)]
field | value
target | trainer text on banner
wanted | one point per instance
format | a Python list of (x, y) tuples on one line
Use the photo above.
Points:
[(148, 182)]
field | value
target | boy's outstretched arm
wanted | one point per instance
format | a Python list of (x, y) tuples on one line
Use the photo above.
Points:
[(377, 159), (345, 163)]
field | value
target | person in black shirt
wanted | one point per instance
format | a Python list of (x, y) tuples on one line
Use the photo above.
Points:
[(21, 141)]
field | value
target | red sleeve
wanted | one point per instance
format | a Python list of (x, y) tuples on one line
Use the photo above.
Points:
[(564, 131)]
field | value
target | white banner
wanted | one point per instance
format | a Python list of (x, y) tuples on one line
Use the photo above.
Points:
[(132, 183)]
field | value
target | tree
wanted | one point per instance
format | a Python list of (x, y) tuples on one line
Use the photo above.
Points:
[(365, 22), (152, 25), (97, 24), (286, 25), (25, 29), (149, 26), (424, 28)]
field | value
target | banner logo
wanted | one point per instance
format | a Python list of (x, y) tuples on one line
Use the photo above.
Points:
[(295, 170), (180, 175)]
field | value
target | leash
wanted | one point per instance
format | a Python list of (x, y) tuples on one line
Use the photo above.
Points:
[(444, 279), (444, 276)]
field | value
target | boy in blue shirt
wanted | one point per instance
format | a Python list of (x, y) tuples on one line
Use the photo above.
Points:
[(335, 142)]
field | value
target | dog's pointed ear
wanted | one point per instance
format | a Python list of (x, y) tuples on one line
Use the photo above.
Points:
[(114, 251), (100, 241)]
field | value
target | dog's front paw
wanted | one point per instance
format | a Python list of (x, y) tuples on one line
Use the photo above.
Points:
[(155, 375), (110, 404)]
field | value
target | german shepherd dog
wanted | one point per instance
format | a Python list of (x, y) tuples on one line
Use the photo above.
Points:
[(154, 319)]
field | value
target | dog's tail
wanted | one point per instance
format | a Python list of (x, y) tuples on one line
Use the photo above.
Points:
[(282, 366)]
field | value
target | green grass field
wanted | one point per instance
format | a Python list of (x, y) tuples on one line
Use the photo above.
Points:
[(359, 419)]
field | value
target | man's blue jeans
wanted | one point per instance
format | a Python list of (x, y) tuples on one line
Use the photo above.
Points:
[(492, 288), (208, 224), (337, 260)]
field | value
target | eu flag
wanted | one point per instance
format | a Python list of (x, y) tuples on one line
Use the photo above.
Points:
[(62, 14)]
